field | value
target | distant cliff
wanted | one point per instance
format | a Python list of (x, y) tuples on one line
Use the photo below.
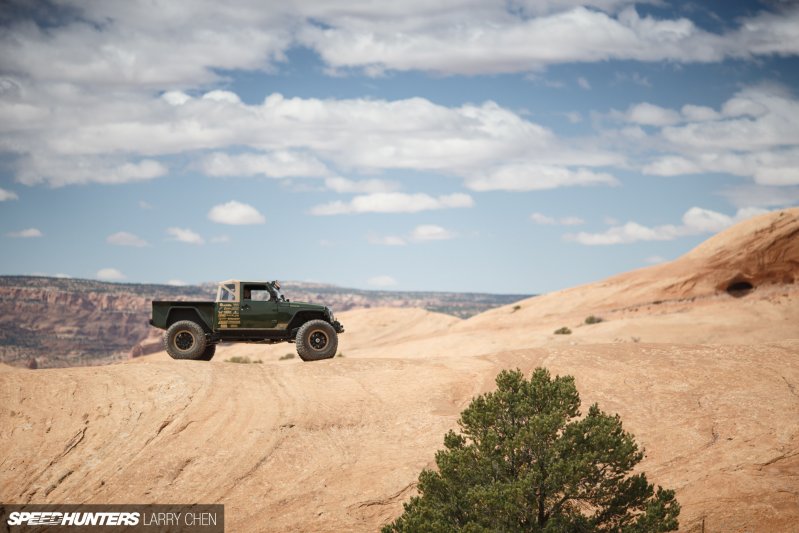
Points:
[(59, 322)]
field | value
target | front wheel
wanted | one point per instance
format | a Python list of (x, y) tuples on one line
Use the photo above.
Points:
[(185, 340), (316, 339)]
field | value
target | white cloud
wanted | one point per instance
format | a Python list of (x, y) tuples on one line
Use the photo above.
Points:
[(138, 44), (648, 114), (530, 177), (382, 281), (176, 283), (386, 240), (185, 235), (421, 233), (277, 164), (695, 221), (768, 167), (220, 239), (109, 274), (394, 202), (755, 133), (753, 119), (486, 38), (431, 232), (574, 117), (344, 185), (698, 113), (124, 238), (583, 83), (7, 195), (540, 218), (108, 89), (226, 97), (654, 260), (58, 171), (145, 205), (176, 97), (290, 137), (29, 233), (132, 44), (236, 214)]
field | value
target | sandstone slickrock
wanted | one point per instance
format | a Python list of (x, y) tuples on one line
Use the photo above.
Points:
[(708, 382)]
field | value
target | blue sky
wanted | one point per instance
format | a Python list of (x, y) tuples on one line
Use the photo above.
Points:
[(515, 146)]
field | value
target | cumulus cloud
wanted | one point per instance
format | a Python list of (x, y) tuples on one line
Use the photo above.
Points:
[(7, 195), (185, 235), (431, 232), (289, 137), (236, 214), (489, 39), (344, 185), (755, 133), (144, 44), (277, 164), (421, 233), (695, 221), (30, 233), (394, 203), (386, 240), (106, 91), (109, 274), (137, 44), (544, 220), (532, 177), (123, 238), (382, 281), (648, 114), (58, 171)]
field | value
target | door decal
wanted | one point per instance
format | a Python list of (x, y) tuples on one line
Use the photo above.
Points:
[(229, 315)]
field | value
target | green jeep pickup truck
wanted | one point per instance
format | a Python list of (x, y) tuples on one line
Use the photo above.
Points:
[(246, 311)]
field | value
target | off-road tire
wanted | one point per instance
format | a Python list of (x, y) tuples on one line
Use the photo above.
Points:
[(316, 339), (209, 352), (185, 339)]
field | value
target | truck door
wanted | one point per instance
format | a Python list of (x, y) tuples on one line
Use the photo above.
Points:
[(258, 309)]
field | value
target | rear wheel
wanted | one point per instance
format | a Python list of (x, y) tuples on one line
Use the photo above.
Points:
[(316, 339), (185, 340)]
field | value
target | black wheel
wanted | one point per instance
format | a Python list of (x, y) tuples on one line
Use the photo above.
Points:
[(209, 352), (185, 340), (316, 339)]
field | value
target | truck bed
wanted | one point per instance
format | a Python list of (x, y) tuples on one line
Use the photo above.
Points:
[(162, 309)]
